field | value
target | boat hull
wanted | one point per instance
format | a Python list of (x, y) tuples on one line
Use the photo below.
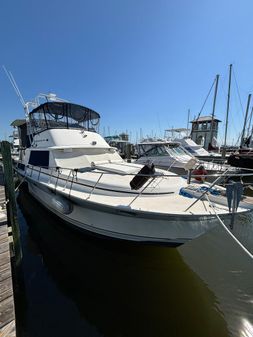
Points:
[(115, 223)]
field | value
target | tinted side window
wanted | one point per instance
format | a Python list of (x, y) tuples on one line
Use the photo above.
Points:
[(39, 158)]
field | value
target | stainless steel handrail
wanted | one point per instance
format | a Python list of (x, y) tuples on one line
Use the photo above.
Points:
[(95, 185), (205, 192), (140, 193), (101, 174)]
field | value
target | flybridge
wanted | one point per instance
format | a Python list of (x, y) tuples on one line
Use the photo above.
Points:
[(47, 111), (62, 115)]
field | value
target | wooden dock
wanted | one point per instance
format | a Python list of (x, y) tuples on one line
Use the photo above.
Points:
[(7, 309)]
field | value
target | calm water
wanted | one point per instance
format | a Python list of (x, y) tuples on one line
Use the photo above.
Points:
[(77, 285)]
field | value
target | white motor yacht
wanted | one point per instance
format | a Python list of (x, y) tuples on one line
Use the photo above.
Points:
[(75, 174), (171, 155), (168, 155), (181, 135), (197, 150)]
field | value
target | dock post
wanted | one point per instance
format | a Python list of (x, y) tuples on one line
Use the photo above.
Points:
[(128, 152), (11, 205), (189, 176)]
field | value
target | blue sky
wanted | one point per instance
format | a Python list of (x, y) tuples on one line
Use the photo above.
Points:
[(141, 64)]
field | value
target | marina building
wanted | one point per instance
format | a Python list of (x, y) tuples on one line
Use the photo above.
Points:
[(205, 131)]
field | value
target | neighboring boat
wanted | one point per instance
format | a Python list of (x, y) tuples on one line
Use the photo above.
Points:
[(241, 159), (181, 135), (122, 144), (172, 156), (74, 173), (164, 154)]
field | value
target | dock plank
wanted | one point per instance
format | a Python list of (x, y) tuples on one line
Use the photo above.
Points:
[(7, 311), (4, 246), (5, 289), (5, 271), (9, 330), (3, 228), (3, 238), (4, 258)]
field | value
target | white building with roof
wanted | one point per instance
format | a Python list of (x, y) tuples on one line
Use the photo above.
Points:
[(205, 131)]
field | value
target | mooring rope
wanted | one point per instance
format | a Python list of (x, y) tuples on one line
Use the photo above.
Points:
[(228, 231), (23, 179)]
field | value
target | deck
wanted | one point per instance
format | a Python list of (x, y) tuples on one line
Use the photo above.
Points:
[(7, 310)]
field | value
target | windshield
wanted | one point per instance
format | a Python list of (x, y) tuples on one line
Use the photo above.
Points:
[(175, 149), (157, 150), (166, 149)]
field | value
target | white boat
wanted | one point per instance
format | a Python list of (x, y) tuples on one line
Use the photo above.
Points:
[(197, 150), (164, 154), (74, 173), (171, 155), (181, 135)]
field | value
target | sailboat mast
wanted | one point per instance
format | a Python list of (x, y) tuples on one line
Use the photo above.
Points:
[(214, 104), (188, 121), (228, 102), (250, 118), (245, 119)]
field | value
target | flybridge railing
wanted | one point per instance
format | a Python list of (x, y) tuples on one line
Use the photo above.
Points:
[(73, 178)]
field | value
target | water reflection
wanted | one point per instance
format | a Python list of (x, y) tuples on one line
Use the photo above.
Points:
[(77, 285), (228, 271), (246, 329)]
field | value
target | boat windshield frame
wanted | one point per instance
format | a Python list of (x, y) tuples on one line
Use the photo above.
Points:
[(62, 115), (178, 149), (164, 149)]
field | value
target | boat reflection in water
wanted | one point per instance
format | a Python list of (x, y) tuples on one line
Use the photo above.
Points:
[(79, 285), (228, 271)]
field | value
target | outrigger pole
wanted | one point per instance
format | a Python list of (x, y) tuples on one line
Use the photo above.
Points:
[(15, 86)]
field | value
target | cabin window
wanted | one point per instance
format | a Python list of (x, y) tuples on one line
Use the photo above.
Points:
[(39, 158)]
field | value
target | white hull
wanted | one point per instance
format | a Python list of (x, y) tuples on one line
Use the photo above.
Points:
[(169, 229)]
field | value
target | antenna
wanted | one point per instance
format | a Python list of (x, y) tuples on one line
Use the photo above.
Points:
[(15, 86)]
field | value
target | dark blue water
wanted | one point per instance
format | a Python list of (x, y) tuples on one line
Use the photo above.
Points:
[(78, 285)]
